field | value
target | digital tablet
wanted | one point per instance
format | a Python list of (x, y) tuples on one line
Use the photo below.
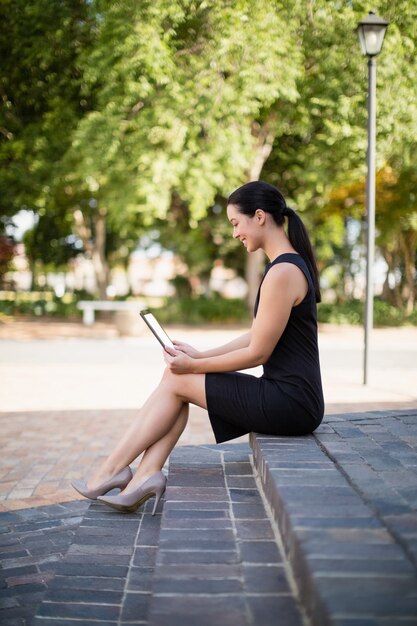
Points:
[(156, 328)]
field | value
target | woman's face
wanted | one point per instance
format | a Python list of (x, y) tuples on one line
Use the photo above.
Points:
[(245, 228)]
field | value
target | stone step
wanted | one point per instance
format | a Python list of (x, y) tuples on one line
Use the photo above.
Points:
[(106, 574), (211, 557), (347, 533), (218, 560)]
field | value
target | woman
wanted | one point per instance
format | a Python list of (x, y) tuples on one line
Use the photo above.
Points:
[(286, 400)]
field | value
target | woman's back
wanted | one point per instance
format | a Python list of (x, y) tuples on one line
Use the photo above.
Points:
[(294, 362)]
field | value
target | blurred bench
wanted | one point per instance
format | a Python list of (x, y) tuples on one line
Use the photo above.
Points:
[(89, 307)]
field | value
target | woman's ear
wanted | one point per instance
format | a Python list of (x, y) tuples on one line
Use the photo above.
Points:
[(260, 216)]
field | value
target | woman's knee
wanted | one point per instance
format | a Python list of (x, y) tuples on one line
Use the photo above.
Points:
[(171, 380), (185, 386)]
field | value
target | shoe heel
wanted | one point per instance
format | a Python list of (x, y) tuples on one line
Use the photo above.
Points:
[(158, 496)]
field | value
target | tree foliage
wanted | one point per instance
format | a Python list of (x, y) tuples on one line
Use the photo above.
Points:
[(119, 116)]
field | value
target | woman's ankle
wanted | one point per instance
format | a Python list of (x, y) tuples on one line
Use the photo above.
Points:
[(105, 472)]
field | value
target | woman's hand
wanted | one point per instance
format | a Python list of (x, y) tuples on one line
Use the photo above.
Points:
[(178, 362), (187, 349)]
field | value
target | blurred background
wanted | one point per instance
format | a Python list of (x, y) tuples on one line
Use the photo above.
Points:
[(125, 125)]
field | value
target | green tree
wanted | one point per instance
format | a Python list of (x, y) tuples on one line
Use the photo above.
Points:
[(179, 113), (40, 94)]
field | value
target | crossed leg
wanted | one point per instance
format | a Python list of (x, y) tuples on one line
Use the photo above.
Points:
[(157, 428)]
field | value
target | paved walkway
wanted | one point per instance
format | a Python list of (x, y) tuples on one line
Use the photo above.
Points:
[(211, 558), (324, 534), (67, 393)]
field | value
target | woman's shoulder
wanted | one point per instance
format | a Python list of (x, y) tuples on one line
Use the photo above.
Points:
[(284, 267), (287, 280)]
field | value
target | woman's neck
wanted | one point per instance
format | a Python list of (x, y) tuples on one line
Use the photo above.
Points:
[(277, 243)]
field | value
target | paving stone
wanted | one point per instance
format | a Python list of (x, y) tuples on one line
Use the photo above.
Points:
[(88, 583), (353, 550), (251, 496), (89, 596), (91, 569), (241, 482), (199, 493), (229, 610), (248, 511), (341, 565), (200, 544), (238, 468), (145, 556), (201, 523), (18, 571), (259, 552), (172, 536), (166, 557), (265, 579), (196, 585), (149, 531), (178, 505), (380, 596), (254, 529), (23, 589), (140, 579), (197, 570), (78, 611), (41, 621), (336, 522), (267, 609), (191, 480), (135, 607)]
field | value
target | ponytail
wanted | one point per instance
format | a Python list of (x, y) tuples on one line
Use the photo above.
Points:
[(258, 194), (300, 241)]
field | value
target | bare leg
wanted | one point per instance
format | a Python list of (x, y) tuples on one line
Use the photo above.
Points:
[(155, 456), (156, 419)]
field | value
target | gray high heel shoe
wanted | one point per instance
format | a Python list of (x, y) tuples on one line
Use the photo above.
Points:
[(155, 485), (120, 480)]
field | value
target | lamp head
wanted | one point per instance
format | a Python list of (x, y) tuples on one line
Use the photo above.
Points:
[(371, 32)]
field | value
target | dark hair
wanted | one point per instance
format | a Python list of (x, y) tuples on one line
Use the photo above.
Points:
[(261, 195)]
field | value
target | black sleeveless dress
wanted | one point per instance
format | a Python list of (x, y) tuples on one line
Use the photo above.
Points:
[(288, 398)]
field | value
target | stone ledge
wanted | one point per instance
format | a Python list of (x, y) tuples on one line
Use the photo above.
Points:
[(343, 521)]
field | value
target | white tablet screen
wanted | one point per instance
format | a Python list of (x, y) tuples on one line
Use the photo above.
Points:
[(157, 329)]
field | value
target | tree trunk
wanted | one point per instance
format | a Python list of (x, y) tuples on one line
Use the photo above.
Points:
[(95, 246), (264, 136), (387, 291), (99, 253), (408, 242)]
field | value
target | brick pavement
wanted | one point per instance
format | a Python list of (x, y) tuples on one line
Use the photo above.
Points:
[(345, 501), (32, 544), (42, 451), (218, 560), (48, 366), (211, 557), (343, 546)]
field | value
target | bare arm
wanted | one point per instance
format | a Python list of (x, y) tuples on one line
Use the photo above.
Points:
[(283, 287), (240, 342)]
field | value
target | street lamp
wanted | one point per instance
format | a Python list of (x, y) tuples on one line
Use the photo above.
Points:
[(371, 32)]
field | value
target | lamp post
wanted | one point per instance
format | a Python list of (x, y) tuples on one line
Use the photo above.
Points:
[(371, 33)]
